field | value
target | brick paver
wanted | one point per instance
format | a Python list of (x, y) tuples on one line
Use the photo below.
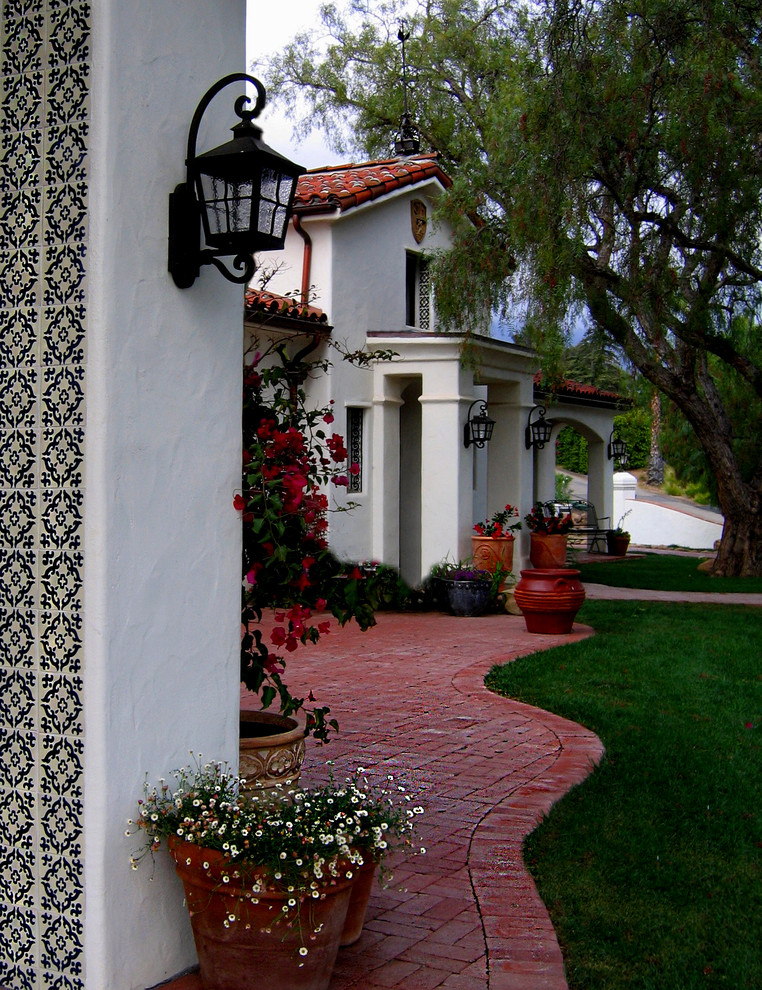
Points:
[(410, 700)]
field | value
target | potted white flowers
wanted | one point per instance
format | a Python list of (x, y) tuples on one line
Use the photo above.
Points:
[(268, 879)]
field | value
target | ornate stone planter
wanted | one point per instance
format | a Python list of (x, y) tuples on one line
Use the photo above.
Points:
[(271, 750)]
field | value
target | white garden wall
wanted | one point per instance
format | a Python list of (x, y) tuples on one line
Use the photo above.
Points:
[(652, 525)]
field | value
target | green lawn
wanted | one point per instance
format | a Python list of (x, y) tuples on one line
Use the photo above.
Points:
[(663, 572), (652, 869)]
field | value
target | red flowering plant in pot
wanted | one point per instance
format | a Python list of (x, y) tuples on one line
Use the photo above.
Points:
[(492, 541), (292, 460), (549, 528)]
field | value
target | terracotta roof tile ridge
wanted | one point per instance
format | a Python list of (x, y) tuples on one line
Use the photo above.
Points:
[(568, 385), (344, 186), (258, 301)]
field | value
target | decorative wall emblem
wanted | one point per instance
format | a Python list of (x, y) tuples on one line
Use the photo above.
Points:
[(418, 219)]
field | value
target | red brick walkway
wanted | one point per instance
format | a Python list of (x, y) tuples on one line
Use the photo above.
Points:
[(410, 700)]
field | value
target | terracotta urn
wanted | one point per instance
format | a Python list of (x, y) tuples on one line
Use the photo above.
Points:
[(358, 903), (250, 951), (548, 549), (549, 599), (489, 551), (270, 750)]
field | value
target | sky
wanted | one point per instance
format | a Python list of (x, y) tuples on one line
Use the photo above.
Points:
[(270, 25)]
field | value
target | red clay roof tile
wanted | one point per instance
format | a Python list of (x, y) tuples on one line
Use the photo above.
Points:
[(569, 387), (258, 302), (343, 186)]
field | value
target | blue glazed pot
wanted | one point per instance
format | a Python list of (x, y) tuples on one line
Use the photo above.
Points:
[(468, 597)]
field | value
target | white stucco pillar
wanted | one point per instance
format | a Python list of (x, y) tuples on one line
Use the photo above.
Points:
[(162, 463), (599, 480), (545, 471), (446, 465), (385, 467), (625, 487)]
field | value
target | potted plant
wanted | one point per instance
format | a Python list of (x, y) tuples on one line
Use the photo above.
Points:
[(549, 528), (268, 879), (492, 540), (291, 459), (467, 590), (618, 539)]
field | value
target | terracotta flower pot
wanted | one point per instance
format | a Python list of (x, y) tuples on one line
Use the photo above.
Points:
[(358, 903), (549, 598), (489, 551), (251, 951), (270, 750), (548, 549)]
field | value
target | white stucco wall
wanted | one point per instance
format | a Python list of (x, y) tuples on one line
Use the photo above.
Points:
[(162, 541), (652, 525)]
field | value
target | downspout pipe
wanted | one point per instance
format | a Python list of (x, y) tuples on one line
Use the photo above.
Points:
[(306, 258)]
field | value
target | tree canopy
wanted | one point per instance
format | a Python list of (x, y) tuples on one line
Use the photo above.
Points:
[(613, 152)]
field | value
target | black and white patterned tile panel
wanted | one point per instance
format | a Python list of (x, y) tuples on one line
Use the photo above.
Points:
[(44, 121)]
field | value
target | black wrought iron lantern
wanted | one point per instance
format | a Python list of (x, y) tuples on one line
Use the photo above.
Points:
[(240, 193), (539, 431), (478, 429), (617, 449)]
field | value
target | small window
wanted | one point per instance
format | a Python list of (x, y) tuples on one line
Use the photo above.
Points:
[(355, 445), (418, 308)]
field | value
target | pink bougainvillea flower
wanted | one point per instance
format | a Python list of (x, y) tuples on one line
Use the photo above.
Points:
[(341, 481), (320, 604), (354, 469), (273, 664)]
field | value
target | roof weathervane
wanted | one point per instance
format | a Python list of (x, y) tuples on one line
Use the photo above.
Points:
[(406, 142)]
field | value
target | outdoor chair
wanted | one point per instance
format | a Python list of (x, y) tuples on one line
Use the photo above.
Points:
[(587, 529)]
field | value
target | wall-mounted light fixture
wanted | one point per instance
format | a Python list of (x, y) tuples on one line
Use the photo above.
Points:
[(617, 449), (538, 432), (241, 193), (478, 429)]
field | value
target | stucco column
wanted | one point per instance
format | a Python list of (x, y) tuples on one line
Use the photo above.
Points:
[(385, 467), (600, 480), (510, 464), (545, 470), (446, 466), (162, 465)]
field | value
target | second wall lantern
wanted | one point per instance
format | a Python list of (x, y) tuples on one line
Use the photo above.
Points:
[(478, 429), (539, 431)]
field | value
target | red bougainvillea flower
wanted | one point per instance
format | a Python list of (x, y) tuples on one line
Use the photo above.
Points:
[(341, 481), (328, 418), (354, 469), (239, 503)]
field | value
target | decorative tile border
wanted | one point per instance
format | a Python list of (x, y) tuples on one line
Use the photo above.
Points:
[(45, 64)]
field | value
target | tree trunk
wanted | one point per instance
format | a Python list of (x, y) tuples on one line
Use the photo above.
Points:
[(740, 553), (655, 474)]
